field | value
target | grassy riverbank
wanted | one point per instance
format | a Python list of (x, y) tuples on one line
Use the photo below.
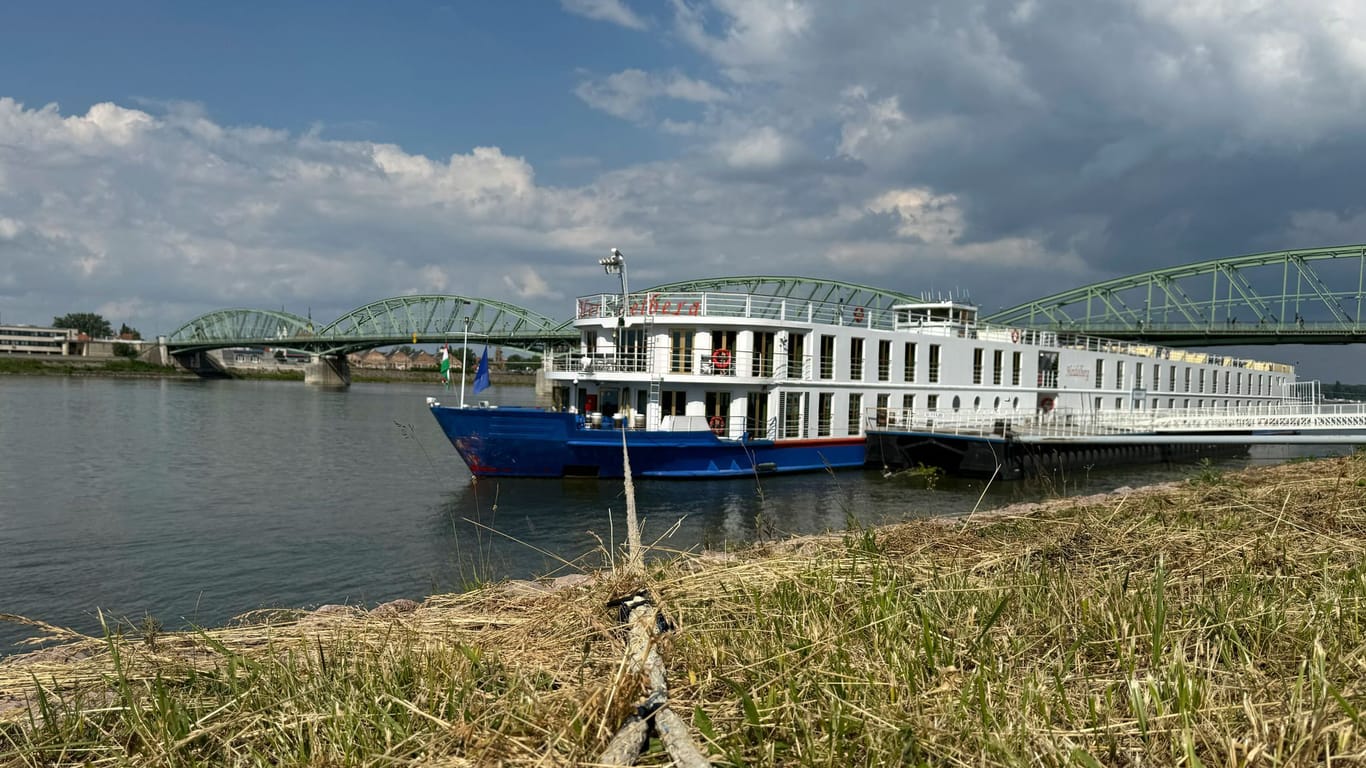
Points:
[(73, 366), (1219, 621)]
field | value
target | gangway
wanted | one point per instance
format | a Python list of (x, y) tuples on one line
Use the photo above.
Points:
[(1286, 423)]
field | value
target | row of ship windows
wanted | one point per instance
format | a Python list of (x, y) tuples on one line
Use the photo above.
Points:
[(1232, 384), (682, 347), (792, 419), (681, 361)]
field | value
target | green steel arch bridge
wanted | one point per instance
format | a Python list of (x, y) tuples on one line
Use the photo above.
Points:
[(1305, 296), (398, 320), (441, 318), (425, 319)]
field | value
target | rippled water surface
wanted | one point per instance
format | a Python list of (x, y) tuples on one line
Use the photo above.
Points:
[(194, 501)]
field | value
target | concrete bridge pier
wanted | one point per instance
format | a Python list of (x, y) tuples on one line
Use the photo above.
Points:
[(204, 363), (331, 371)]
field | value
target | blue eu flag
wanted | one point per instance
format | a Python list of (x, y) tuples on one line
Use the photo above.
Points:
[(481, 376)]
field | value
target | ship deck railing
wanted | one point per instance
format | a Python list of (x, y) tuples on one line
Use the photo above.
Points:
[(712, 305), (771, 366), (1299, 417)]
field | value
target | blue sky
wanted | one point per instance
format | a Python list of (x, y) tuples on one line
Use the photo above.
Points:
[(435, 78), (161, 160)]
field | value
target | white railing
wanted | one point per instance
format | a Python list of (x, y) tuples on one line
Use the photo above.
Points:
[(709, 363), (734, 305), (1296, 416)]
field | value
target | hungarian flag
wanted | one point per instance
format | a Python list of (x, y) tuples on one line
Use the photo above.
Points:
[(446, 364), (481, 376)]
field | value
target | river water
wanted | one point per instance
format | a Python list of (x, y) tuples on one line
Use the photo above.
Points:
[(195, 501)]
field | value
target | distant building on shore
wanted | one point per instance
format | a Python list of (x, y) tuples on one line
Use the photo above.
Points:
[(40, 340)]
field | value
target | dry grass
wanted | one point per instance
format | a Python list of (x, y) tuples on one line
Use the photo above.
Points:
[(1218, 622)]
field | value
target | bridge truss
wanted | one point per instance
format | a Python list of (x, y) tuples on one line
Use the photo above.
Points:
[(412, 319), (1312, 296), (799, 288)]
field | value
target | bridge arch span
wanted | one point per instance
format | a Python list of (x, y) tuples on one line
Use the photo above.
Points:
[(1307, 295), (789, 287), (429, 317), (231, 327)]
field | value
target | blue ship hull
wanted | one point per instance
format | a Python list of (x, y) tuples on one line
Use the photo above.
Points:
[(526, 442)]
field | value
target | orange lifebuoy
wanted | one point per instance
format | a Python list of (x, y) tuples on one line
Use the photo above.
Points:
[(720, 359), (1015, 335), (717, 424), (858, 314), (1046, 404)]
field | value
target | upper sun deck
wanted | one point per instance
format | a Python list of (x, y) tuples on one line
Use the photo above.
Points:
[(950, 318), (732, 307)]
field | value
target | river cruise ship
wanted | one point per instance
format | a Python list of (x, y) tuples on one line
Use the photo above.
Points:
[(720, 383)]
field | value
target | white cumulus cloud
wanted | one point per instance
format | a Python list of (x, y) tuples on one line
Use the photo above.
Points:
[(612, 11)]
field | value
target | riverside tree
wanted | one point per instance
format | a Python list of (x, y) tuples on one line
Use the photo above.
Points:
[(91, 324)]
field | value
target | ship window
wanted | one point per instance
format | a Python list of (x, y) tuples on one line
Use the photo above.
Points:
[(996, 357), (762, 364), (909, 366), (883, 402), (827, 357), (1138, 375), (976, 403), (723, 340), (855, 414), (673, 403), (1202, 381), (680, 351), (718, 406), (856, 359), (1157, 377), (1119, 374), (932, 402), (1188, 380), (956, 403), (631, 355), (934, 363), (1226, 380), (823, 415), (884, 360), (1171, 379), (1015, 358), (796, 360), (791, 406), (756, 415), (976, 365), (1098, 404), (1015, 402), (996, 405), (1100, 372), (1119, 403)]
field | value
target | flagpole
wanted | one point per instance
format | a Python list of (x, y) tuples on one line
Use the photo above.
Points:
[(464, 360)]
